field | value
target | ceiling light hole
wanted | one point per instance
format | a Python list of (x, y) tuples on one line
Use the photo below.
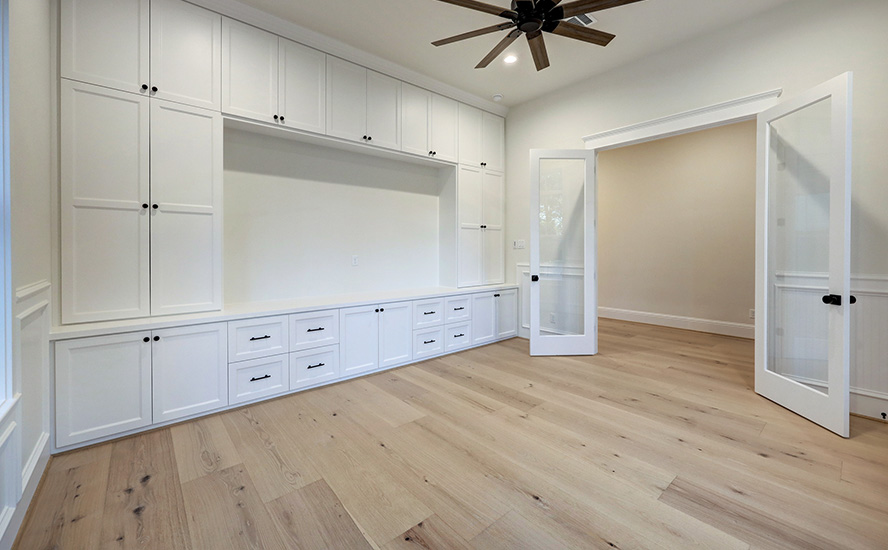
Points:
[(509, 59), (497, 97)]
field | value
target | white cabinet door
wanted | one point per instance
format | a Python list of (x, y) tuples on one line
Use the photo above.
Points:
[(186, 209), (359, 340), (470, 135), (303, 87), (469, 213), (104, 185), (492, 223), (249, 71), (483, 318), (492, 142), (383, 111), (186, 53), (445, 128), (395, 334), (415, 110), (106, 42), (507, 313), (190, 370), (346, 100), (102, 386)]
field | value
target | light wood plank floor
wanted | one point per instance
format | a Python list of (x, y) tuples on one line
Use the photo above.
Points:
[(657, 442)]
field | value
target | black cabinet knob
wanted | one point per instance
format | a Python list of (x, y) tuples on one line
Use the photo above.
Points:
[(369, 138), (144, 87), (282, 118), (382, 309), (496, 295), (377, 310), (157, 338), (154, 206), (146, 339), (145, 205), (276, 117), (154, 89), (534, 278), (434, 153), (483, 164), (431, 153), (364, 138)]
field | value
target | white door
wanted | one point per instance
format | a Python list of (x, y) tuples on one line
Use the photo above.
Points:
[(415, 110), (563, 288), (445, 128), (492, 227), (106, 42), (249, 71), (469, 212), (469, 135), (506, 313), (383, 111), (395, 334), (303, 87), (190, 370), (492, 146), (803, 261), (359, 339), (102, 386), (483, 318), (186, 54), (346, 100), (104, 195), (186, 209)]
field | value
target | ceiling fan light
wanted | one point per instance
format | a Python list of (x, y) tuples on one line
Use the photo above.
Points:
[(509, 59)]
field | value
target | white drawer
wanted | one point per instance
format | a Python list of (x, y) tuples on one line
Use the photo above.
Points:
[(428, 343), (314, 329), (252, 338), (314, 366), (458, 308), (428, 313), (457, 336), (257, 378)]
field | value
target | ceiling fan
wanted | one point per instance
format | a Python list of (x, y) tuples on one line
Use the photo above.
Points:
[(533, 18)]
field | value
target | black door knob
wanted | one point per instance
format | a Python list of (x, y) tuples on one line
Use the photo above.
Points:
[(144, 87), (832, 300), (157, 338), (534, 278), (146, 339), (145, 205), (154, 206), (154, 89)]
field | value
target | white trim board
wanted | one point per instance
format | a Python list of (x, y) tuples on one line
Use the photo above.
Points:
[(720, 114), (725, 328)]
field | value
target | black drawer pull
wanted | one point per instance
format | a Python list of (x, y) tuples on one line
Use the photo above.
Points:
[(429, 342), (315, 329), (458, 335), (496, 295), (255, 378), (458, 308), (428, 312), (315, 366), (254, 338)]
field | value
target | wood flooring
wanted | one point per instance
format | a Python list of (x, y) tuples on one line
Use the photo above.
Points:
[(657, 442)]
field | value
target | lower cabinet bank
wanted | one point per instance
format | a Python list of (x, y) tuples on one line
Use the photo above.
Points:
[(127, 382)]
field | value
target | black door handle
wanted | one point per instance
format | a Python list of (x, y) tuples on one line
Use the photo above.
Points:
[(836, 299), (534, 278)]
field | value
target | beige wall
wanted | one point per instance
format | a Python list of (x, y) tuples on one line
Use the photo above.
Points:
[(676, 222)]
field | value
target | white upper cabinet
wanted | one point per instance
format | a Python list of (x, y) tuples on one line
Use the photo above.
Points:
[(249, 71), (493, 129), (186, 53), (363, 105), (445, 128), (302, 94), (186, 209), (469, 135), (416, 105), (106, 42), (168, 49), (104, 197)]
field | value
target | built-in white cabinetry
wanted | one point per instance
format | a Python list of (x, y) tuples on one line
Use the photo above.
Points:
[(428, 313), (189, 370), (428, 124), (428, 342), (445, 128), (314, 366), (363, 105), (167, 49), (134, 244), (375, 336), (272, 79), (102, 386), (314, 329), (457, 336), (254, 338), (480, 214), (258, 378), (481, 139), (494, 316), (105, 203)]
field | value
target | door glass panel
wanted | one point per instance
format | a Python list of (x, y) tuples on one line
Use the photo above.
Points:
[(562, 246), (798, 247)]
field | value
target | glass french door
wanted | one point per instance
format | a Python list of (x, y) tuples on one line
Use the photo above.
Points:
[(563, 291), (803, 262)]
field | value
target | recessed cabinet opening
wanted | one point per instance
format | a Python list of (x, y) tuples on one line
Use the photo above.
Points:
[(303, 220)]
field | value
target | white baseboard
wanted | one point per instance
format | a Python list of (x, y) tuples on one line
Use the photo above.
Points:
[(725, 328), (31, 475), (869, 403)]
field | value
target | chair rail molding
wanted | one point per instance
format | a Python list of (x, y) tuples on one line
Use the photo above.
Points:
[(703, 118), (22, 293)]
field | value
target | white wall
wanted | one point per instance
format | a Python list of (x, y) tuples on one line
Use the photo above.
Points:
[(32, 77), (795, 46), (296, 213)]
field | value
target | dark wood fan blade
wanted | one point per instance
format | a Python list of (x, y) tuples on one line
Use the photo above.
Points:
[(538, 50), (589, 6), (481, 6), (473, 34), (577, 32), (499, 48), (543, 6)]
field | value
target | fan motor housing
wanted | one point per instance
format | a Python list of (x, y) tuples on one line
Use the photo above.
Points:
[(530, 24)]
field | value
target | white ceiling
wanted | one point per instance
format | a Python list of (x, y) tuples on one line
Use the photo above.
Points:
[(401, 31)]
